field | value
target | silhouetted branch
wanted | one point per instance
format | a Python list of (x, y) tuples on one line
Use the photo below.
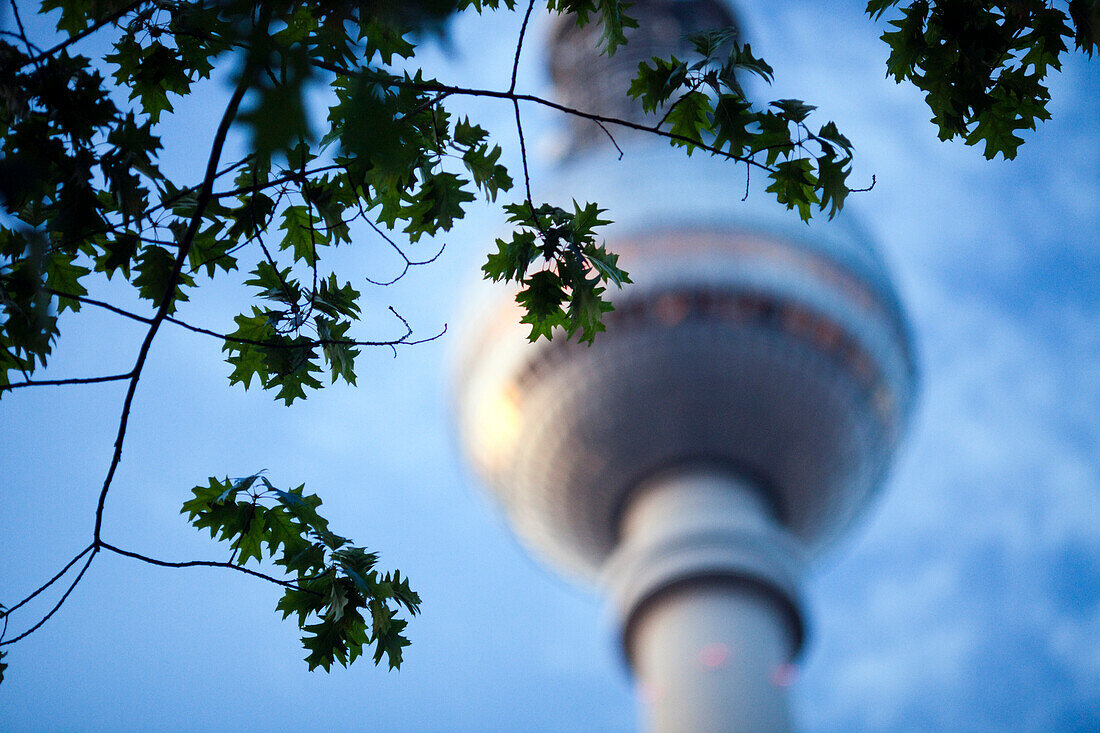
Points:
[(185, 247), (86, 32), (60, 382), (408, 262), (519, 44), (198, 564), (52, 580), (403, 340), (57, 605)]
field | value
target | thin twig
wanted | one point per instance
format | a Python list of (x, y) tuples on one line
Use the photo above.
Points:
[(611, 138), (864, 190), (60, 382), (523, 159), (533, 99), (426, 339), (83, 299), (31, 48), (288, 178), (233, 339), (408, 262), (86, 32), (57, 605), (423, 106), (196, 564), (519, 45), (52, 580)]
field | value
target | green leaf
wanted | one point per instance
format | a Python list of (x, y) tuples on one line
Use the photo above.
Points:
[(512, 258), (334, 299), (774, 138), (875, 8), (586, 309), (332, 581), (708, 43), (731, 122), (155, 267), (118, 253), (302, 234), (334, 641), (742, 57), (63, 276), (467, 134), (832, 175), (607, 263), (487, 174), (337, 600), (657, 80), (247, 359), (250, 543), (390, 643), (829, 132), (251, 217), (340, 356), (688, 117), (794, 109), (542, 298), (444, 195), (794, 185), (1085, 15), (205, 496)]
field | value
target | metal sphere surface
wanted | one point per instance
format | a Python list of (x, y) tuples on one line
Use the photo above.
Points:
[(758, 352)]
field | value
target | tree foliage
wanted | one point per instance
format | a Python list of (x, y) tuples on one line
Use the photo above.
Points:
[(84, 198), (983, 65), (334, 583)]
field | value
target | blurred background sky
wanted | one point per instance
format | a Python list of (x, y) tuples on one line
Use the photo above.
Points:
[(968, 599)]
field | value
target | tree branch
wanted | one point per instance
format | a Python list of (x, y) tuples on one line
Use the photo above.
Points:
[(52, 580), (59, 603), (85, 33), (59, 382), (100, 304), (22, 35), (185, 247), (408, 262), (519, 44), (197, 564), (288, 178), (515, 98), (523, 159), (253, 342)]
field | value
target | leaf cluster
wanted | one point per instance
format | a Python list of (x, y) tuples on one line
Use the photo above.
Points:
[(338, 597), (567, 291), (611, 14), (702, 105), (83, 192), (983, 65)]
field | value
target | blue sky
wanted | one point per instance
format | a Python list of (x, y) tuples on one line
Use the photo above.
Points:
[(967, 600)]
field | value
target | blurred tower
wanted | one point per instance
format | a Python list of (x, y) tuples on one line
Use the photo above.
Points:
[(740, 410)]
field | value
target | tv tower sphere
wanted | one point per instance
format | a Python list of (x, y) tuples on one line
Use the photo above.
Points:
[(740, 410)]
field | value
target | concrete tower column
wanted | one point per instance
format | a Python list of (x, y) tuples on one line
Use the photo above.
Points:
[(706, 658), (739, 412), (704, 578)]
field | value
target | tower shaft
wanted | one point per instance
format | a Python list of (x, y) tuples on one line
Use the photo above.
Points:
[(740, 410), (704, 579), (709, 660)]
